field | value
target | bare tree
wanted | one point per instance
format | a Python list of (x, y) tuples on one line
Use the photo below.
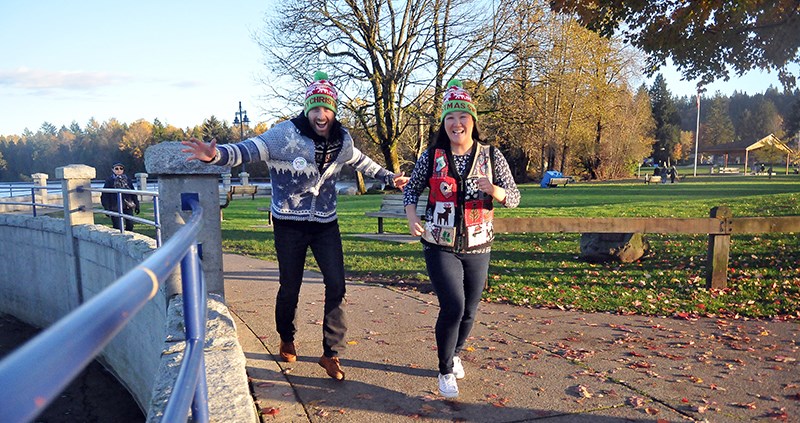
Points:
[(543, 85), (388, 58)]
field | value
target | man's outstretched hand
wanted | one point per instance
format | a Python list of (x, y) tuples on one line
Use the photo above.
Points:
[(400, 181), (199, 150)]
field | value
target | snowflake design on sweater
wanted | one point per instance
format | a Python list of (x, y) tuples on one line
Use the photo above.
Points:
[(292, 144), (295, 199)]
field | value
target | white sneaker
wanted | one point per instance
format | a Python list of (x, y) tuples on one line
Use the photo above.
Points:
[(458, 368), (448, 386)]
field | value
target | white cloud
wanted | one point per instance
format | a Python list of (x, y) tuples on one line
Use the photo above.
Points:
[(188, 84), (45, 80)]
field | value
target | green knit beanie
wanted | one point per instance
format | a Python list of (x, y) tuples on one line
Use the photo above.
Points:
[(457, 99), (321, 92)]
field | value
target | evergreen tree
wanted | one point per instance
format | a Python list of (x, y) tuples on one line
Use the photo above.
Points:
[(667, 120), (792, 121), (718, 128), (213, 128)]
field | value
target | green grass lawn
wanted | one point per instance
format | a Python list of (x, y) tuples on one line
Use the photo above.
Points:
[(544, 270)]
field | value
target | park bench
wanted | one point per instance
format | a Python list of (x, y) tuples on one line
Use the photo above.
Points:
[(650, 179), (392, 207), (729, 170), (243, 190), (239, 189), (554, 182), (269, 213)]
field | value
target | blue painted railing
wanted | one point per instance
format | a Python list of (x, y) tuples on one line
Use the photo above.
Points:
[(34, 374)]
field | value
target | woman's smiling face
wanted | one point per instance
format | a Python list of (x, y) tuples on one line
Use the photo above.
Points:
[(459, 126)]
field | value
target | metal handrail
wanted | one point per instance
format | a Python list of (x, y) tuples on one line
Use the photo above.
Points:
[(33, 204), (156, 222), (13, 190), (34, 374)]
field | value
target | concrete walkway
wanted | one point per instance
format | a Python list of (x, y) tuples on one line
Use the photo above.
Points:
[(522, 364)]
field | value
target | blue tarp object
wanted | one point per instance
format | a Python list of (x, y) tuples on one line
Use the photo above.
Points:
[(550, 174)]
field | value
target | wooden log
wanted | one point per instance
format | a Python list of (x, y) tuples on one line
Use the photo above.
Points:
[(651, 225), (762, 225)]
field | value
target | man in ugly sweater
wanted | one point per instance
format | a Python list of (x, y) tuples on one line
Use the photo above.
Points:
[(304, 155)]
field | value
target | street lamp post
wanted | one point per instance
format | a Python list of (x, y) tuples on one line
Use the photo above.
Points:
[(697, 129), (241, 120)]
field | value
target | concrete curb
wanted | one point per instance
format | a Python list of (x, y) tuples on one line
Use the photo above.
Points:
[(229, 398)]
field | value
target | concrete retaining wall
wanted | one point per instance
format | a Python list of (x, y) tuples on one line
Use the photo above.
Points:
[(35, 287)]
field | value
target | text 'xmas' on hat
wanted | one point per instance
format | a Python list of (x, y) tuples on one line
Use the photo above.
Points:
[(457, 99), (321, 92)]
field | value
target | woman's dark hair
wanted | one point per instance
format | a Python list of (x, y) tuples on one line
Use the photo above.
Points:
[(443, 141)]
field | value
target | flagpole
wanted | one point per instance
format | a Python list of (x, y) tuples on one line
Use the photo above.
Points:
[(697, 132)]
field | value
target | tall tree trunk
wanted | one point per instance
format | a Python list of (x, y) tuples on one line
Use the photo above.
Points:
[(390, 155), (551, 157), (543, 163), (596, 159), (360, 185)]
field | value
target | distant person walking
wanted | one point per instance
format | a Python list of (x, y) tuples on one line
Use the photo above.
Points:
[(673, 173), (305, 156), (130, 202), (466, 177)]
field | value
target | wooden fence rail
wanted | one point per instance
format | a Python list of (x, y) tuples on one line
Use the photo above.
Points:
[(719, 227)]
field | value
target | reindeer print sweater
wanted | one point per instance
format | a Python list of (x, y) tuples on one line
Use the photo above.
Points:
[(420, 179)]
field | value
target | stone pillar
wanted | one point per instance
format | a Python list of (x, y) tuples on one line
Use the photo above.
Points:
[(142, 178), (40, 180), (77, 205), (76, 182), (245, 178), (226, 182), (177, 176)]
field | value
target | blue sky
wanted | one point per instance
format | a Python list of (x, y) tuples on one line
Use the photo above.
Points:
[(752, 82), (179, 61)]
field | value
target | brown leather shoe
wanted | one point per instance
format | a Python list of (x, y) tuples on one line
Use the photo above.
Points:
[(288, 352), (332, 367)]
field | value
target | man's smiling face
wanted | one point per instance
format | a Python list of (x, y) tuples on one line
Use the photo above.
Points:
[(321, 119)]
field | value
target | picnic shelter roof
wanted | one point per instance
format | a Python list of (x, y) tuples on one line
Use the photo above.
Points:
[(746, 146)]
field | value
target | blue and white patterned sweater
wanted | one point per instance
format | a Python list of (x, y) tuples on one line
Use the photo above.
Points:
[(299, 192)]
